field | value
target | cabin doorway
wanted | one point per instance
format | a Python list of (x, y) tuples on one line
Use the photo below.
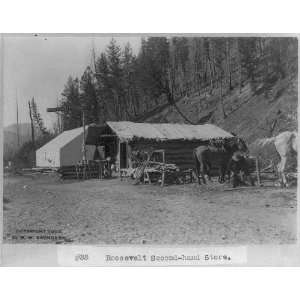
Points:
[(123, 156)]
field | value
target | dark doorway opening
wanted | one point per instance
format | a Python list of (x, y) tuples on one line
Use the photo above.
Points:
[(123, 155)]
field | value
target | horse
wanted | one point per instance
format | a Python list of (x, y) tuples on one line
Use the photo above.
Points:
[(285, 144), (222, 151)]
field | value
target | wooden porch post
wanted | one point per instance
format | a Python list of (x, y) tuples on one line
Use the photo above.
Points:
[(129, 161), (257, 171), (118, 164)]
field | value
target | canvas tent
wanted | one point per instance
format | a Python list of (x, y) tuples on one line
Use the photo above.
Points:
[(120, 139), (64, 150)]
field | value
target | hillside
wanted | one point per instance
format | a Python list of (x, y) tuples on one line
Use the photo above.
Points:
[(249, 111), (10, 137), (252, 112)]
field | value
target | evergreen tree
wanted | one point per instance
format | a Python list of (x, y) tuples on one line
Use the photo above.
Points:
[(129, 82), (71, 104), (115, 78), (103, 87), (126, 86), (88, 97)]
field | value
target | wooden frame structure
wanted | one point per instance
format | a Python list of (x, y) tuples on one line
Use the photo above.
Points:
[(122, 139)]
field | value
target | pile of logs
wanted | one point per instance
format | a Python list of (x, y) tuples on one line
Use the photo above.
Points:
[(150, 171), (76, 172), (39, 170), (166, 174), (160, 167)]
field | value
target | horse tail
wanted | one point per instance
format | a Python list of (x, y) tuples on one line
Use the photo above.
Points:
[(265, 141), (295, 134)]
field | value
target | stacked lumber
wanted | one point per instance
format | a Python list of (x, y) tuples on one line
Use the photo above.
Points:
[(75, 172), (38, 170), (167, 173), (160, 167)]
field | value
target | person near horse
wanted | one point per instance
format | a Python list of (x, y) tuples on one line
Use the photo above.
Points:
[(220, 151), (237, 165)]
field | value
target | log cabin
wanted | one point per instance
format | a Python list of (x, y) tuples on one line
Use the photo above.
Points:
[(121, 139)]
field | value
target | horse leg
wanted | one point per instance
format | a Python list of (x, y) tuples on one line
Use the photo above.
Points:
[(208, 168), (227, 170), (223, 171), (280, 168), (248, 178), (221, 176), (199, 176), (198, 173), (283, 165), (247, 175), (197, 168), (235, 180), (202, 172)]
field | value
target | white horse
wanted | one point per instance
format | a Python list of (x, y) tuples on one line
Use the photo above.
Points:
[(285, 143)]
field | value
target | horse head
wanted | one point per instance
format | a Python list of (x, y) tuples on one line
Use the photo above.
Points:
[(237, 144), (242, 146)]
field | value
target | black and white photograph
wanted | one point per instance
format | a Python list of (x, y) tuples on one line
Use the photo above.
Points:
[(150, 140)]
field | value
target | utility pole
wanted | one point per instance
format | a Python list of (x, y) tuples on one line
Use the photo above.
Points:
[(32, 125), (18, 132), (83, 139), (58, 119), (57, 110), (83, 147), (93, 56)]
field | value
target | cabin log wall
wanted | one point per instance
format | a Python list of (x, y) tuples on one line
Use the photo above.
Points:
[(176, 152)]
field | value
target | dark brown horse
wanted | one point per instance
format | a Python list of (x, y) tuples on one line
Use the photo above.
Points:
[(219, 152)]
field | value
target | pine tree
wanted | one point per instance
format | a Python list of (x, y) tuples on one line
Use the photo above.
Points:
[(164, 70), (115, 78), (71, 104), (103, 87), (130, 91), (88, 97)]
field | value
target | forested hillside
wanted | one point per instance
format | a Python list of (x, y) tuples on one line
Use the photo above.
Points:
[(246, 85)]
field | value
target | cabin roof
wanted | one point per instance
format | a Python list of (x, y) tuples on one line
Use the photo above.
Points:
[(129, 131)]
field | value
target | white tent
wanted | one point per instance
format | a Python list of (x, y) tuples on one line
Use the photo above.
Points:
[(64, 150)]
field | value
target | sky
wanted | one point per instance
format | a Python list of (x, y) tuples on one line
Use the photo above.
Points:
[(39, 66)]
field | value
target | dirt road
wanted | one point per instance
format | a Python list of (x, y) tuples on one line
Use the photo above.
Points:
[(114, 212)]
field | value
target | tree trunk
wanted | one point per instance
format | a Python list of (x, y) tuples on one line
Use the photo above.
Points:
[(32, 126), (221, 98), (228, 61)]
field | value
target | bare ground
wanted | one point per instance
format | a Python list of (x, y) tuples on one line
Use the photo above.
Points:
[(117, 212)]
